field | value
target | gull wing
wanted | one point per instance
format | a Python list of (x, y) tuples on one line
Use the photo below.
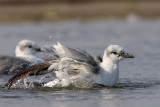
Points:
[(32, 70), (76, 54), (11, 65)]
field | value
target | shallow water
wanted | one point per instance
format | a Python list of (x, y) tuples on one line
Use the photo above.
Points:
[(139, 83)]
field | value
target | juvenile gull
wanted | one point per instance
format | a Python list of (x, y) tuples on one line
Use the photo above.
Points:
[(77, 65), (24, 56)]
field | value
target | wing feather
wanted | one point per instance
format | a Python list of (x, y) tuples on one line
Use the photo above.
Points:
[(76, 54), (32, 70)]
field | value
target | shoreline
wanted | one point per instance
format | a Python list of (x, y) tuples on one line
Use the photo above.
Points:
[(78, 11)]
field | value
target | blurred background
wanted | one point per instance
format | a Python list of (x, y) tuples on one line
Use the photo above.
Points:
[(103, 21), (57, 10)]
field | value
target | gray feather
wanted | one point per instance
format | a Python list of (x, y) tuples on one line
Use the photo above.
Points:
[(77, 54), (11, 65)]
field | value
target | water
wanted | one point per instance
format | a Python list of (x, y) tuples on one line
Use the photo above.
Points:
[(139, 82)]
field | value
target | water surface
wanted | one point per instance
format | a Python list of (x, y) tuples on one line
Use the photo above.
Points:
[(139, 83)]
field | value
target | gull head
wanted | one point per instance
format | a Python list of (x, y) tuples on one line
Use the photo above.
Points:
[(116, 53), (27, 47)]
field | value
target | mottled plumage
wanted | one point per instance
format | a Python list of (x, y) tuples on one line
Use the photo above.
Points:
[(32, 70)]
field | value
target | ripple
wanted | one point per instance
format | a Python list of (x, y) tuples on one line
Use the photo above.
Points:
[(86, 86)]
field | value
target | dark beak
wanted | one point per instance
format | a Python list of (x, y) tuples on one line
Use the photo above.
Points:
[(126, 55), (39, 50)]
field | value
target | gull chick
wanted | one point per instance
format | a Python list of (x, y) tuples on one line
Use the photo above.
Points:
[(27, 49), (109, 69), (76, 65), (25, 55)]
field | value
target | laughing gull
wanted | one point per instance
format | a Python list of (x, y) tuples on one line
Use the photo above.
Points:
[(24, 56), (77, 65)]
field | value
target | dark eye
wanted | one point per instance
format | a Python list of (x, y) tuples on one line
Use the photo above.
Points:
[(29, 46), (114, 53)]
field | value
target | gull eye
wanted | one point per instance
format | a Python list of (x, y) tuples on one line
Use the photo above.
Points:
[(29, 46), (114, 53)]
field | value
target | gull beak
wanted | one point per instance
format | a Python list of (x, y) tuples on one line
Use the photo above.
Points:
[(126, 55), (39, 50)]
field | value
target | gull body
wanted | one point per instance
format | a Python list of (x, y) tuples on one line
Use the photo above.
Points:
[(85, 67), (76, 65)]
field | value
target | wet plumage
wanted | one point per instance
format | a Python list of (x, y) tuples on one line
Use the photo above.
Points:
[(77, 65)]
